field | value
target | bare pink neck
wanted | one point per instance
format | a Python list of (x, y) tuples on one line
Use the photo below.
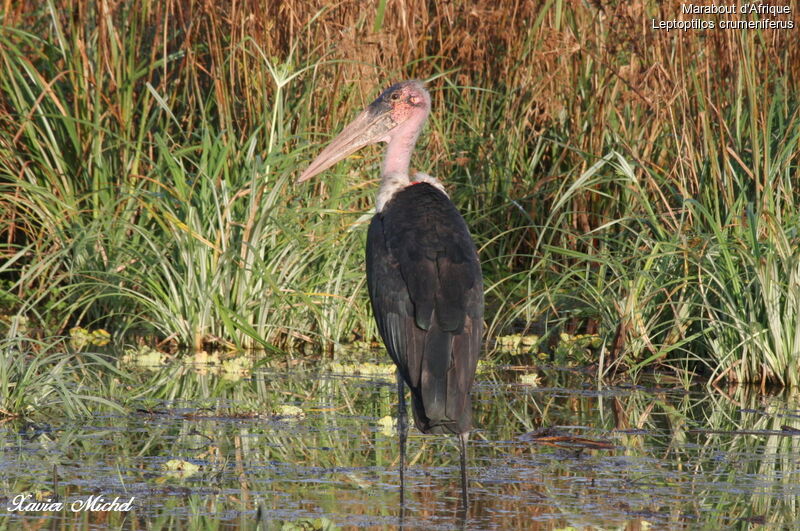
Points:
[(401, 145), (398, 156)]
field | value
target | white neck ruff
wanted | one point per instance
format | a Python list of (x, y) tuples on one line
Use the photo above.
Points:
[(394, 182)]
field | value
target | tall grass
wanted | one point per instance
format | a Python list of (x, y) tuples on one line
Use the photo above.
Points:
[(611, 179)]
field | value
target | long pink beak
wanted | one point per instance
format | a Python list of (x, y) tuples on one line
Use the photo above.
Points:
[(369, 127)]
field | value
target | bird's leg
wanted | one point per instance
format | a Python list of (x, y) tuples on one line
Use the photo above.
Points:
[(402, 429), (462, 438)]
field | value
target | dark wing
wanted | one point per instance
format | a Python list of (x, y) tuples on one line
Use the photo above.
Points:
[(427, 295), (388, 294)]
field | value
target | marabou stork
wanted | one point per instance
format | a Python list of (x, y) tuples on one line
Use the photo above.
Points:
[(423, 273)]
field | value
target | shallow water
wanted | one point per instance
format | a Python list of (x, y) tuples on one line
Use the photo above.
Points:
[(564, 453)]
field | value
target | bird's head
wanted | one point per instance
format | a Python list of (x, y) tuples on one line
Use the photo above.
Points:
[(398, 113)]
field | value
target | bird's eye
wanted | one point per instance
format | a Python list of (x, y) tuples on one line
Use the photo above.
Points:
[(395, 96)]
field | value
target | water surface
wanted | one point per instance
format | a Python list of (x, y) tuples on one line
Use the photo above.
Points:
[(565, 452)]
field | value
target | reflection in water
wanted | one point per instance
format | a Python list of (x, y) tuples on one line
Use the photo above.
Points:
[(669, 458)]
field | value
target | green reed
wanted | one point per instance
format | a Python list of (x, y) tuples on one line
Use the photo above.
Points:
[(147, 168)]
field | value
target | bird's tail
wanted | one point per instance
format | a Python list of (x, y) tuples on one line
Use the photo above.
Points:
[(441, 402), (432, 424)]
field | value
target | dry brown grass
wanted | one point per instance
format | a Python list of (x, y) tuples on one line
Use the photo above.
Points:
[(483, 43), (528, 95)]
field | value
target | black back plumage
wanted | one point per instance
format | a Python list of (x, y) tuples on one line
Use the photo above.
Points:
[(426, 291)]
